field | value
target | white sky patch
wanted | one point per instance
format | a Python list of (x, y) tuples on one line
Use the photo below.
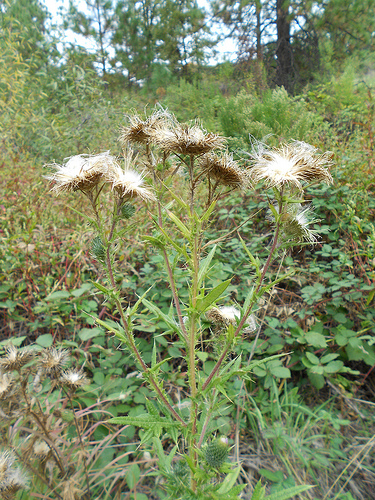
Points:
[(226, 49)]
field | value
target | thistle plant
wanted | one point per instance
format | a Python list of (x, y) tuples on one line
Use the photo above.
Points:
[(47, 441), (181, 175)]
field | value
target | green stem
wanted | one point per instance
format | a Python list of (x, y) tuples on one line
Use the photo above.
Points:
[(133, 347)]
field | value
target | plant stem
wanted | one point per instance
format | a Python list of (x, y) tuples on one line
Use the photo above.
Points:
[(133, 347)]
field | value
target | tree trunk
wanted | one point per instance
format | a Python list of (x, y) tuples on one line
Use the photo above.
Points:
[(285, 71)]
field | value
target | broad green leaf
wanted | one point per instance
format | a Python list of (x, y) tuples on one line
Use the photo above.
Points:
[(316, 339), (89, 333), (333, 366), (312, 358), (280, 372), (259, 492), (132, 475), (45, 340)]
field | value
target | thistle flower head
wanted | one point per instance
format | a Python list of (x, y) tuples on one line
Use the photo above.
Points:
[(224, 170), (73, 379), (187, 140), (81, 172), (141, 131), (291, 164), (12, 479), (216, 452), (15, 359), (52, 361), (230, 315), (126, 181), (296, 224)]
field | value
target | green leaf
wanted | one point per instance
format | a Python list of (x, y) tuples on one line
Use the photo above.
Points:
[(102, 288), (259, 492), (288, 493), (119, 334), (45, 340), (132, 476), (280, 372), (205, 302), (145, 421), (333, 367), (229, 481), (316, 339), (89, 333), (312, 358), (204, 265), (181, 226), (61, 294), (171, 323), (317, 381)]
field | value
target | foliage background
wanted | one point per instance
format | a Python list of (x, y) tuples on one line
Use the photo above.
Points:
[(287, 426)]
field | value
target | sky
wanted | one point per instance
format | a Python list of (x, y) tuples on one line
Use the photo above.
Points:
[(226, 49)]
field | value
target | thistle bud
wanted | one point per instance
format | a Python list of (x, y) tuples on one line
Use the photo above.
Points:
[(216, 452), (127, 210), (98, 249)]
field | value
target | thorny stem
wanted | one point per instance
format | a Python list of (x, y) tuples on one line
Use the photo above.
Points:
[(44, 429), (172, 282), (34, 471), (69, 396), (133, 347), (207, 420), (249, 309)]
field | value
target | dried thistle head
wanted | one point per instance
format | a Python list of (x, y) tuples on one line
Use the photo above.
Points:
[(224, 170), (52, 361), (12, 479), (6, 386), (187, 140), (15, 359), (230, 315), (81, 172), (297, 227), (141, 131), (41, 450), (291, 164), (127, 182), (73, 379)]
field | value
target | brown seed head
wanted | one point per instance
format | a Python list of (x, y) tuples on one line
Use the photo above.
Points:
[(291, 164), (15, 359), (12, 479), (73, 379), (52, 361), (224, 170), (81, 172), (141, 131), (187, 140), (6, 385), (126, 181)]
